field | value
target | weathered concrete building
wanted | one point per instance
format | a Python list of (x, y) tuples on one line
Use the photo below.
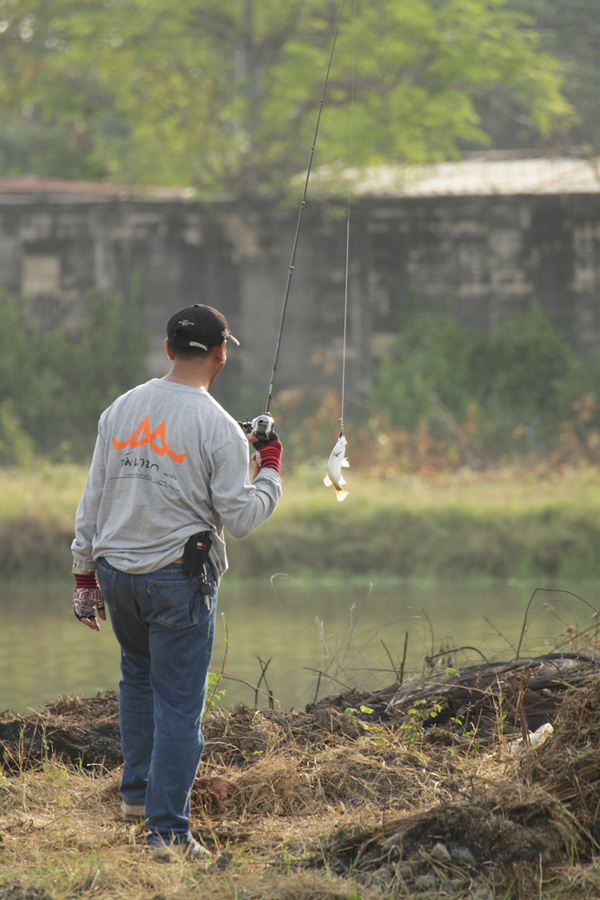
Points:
[(479, 253)]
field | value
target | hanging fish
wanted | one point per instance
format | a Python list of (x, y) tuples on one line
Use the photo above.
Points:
[(337, 461)]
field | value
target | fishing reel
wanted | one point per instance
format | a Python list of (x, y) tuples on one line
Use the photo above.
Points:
[(262, 429)]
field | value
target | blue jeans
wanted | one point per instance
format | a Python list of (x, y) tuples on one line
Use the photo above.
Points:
[(166, 631)]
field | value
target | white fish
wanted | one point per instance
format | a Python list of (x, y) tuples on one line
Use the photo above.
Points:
[(337, 460)]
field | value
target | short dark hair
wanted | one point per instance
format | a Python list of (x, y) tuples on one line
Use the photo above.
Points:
[(189, 352)]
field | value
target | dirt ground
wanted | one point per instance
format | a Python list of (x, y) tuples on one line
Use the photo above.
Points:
[(434, 790)]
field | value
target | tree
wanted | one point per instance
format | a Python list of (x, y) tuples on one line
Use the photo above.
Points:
[(570, 31), (223, 94)]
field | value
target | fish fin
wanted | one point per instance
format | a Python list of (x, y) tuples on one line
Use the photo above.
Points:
[(327, 481), (341, 495), (345, 463), (342, 480)]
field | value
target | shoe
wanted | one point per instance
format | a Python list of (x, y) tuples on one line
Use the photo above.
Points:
[(131, 812), (186, 850)]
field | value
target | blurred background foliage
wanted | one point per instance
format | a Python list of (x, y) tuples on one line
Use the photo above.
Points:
[(54, 385), (474, 398), (222, 95), (569, 30), (444, 396)]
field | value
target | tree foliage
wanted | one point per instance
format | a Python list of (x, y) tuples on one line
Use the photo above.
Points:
[(570, 31), (224, 94)]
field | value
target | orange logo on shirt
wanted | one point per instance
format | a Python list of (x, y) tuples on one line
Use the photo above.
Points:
[(143, 435)]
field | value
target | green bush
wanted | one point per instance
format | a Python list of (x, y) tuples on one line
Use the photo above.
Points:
[(445, 394), (527, 358), (432, 364), (520, 387), (54, 386)]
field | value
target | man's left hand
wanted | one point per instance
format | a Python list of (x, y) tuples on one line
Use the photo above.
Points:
[(87, 600)]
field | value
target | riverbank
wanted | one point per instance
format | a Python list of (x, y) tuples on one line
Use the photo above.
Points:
[(339, 802), (510, 523)]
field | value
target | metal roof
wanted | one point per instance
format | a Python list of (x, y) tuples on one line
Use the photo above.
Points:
[(478, 176)]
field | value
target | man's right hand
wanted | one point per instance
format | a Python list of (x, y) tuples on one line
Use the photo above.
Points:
[(267, 454)]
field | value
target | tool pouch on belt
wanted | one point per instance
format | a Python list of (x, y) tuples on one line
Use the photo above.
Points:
[(195, 553)]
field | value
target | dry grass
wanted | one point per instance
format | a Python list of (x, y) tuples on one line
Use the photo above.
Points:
[(569, 766), (312, 806)]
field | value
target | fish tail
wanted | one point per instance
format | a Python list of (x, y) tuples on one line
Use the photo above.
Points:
[(341, 495)]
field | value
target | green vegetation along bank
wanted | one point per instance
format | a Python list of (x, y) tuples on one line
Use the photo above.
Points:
[(506, 524)]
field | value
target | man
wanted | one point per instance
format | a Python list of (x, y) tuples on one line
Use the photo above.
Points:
[(170, 470)]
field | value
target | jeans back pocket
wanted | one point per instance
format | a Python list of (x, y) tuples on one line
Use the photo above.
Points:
[(177, 602)]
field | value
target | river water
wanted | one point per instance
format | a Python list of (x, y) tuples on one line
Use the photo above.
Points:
[(354, 633)]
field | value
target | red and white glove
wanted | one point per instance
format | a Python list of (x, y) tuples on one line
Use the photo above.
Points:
[(268, 454), (87, 597)]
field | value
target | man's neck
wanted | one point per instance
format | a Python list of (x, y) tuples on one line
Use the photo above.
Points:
[(198, 372), (191, 376)]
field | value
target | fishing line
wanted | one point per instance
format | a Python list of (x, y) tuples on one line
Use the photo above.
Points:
[(347, 269), (337, 458), (344, 339), (302, 205)]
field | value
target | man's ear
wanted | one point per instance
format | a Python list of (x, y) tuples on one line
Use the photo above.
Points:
[(168, 350), (221, 352)]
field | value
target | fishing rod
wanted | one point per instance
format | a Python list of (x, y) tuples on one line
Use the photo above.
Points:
[(262, 426)]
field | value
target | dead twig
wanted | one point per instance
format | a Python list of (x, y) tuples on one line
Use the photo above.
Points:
[(525, 625), (263, 677)]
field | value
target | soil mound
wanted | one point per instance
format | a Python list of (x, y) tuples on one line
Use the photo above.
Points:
[(75, 730)]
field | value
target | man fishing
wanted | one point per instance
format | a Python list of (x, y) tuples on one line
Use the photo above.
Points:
[(170, 471)]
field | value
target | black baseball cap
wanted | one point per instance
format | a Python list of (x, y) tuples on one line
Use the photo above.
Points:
[(198, 326)]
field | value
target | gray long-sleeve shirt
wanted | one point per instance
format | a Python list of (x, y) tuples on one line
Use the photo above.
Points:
[(169, 461)]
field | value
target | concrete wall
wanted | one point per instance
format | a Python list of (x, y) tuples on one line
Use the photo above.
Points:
[(480, 258)]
